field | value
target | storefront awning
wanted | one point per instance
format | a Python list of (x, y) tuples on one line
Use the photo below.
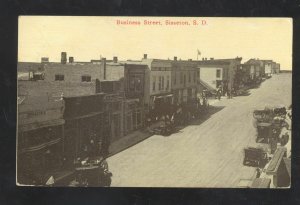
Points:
[(40, 146), (162, 96), (37, 125), (159, 97)]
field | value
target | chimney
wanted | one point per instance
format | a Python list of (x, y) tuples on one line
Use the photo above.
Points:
[(175, 58), (63, 58), (71, 59), (190, 59), (103, 62), (145, 56), (206, 59), (203, 59), (211, 58), (115, 59), (44, 60)]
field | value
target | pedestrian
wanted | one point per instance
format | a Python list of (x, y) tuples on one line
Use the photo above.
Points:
[(258, 172), (84, 151), (219, 92), (93, 148), (148, 122), (229, 94)]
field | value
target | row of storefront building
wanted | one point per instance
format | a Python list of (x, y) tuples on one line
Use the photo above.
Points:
[(63, 107)]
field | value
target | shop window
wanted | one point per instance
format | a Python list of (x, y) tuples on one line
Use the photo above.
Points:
[(138, 84), (59, 77), (131, 83), (116, 121), (218, 73), (134, 121), (128, 121), (168, 83), (138, 119), (159, 83), (175, 78), (181, 78), (135, 84), (116, 106), (85, 78), (153, 83)]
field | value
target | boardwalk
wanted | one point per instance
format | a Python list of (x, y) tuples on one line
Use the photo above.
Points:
[(207, 154)]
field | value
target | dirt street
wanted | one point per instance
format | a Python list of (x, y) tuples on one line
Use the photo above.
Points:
[(204, 154)]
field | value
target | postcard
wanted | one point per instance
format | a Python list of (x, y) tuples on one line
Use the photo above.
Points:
[(154, 102)]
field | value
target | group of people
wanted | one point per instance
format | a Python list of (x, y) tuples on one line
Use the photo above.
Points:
[(93, 148), (179, 114), (221, 91)]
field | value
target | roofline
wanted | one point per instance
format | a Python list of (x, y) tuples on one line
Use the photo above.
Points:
[(86, 95)]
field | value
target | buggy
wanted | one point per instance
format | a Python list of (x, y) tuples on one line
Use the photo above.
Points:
[(256, 157), (264, 132), (269, 113), (93, 172), (165, 127)]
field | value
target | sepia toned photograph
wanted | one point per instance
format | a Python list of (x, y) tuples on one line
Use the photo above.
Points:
[(196, 102)]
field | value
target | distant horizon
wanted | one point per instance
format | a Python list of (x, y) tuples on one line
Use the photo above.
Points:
[(88, 38)]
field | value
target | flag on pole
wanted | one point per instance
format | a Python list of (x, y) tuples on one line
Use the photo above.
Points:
[(199, 53)]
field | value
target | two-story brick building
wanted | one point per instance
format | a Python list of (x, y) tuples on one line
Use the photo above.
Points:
[(135, 89), (157, 81), (40, 136), (224, 70), (86, 120), (256, 68), (184, 80), (267, 65), (127, 80)]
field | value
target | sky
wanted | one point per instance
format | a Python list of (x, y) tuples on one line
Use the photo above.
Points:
[(87, 38)]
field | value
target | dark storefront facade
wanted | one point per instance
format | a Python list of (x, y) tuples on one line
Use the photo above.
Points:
[(114, 108), (86, 123), (184, 81), (135, 89), (40, 141)]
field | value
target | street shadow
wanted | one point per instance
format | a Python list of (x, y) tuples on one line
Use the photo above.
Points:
[(212, 110), (257, 86), (244, 94)]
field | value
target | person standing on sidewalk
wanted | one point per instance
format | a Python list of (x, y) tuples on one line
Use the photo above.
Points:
[(258, 172), (229, 93), (219, 92), (106, 142)]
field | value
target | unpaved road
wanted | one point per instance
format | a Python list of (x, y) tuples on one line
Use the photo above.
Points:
[(207, 154)]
